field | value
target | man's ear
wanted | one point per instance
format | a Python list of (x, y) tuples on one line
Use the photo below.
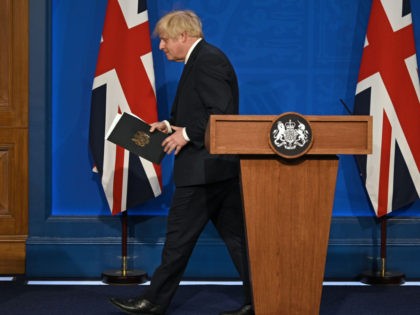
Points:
[(184, 37)]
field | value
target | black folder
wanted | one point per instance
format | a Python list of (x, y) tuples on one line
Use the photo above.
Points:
[(132, 133)]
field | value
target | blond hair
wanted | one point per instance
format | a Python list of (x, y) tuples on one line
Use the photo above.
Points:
[(175, 23)]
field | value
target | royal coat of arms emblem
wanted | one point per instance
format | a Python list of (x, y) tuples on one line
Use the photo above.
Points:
[(290, 135)]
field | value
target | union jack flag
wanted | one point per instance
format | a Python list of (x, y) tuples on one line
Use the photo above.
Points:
[(388, 89), (124, 82)]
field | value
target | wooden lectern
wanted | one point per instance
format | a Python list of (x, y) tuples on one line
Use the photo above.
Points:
[(288, 203)]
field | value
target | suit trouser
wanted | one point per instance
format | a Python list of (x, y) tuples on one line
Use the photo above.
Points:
[(192, 208)]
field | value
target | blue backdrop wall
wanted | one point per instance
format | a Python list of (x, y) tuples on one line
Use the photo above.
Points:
[(291, 55)]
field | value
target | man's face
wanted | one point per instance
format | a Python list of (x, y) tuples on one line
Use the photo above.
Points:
[(174, 48)]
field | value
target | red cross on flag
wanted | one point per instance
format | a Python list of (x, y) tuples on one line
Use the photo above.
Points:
[(388, 89), (124, 82)]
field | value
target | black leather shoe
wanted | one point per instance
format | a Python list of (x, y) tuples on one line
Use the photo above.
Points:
[(244, 310), (138, 306)]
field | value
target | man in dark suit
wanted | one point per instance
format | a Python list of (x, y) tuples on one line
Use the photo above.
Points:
[(207, 186)]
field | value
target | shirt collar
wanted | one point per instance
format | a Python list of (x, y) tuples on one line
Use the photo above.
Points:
[(191, 49)]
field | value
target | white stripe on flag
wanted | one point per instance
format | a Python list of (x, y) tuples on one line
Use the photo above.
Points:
[(151, 175), (147, 61)]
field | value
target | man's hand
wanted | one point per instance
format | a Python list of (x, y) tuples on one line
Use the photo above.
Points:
[(174, 142), (160, 125)]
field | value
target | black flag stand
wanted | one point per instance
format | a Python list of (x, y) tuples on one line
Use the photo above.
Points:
[(383, 276), (124, 276)]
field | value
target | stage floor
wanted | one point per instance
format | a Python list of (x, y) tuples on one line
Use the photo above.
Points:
[(19, 296)]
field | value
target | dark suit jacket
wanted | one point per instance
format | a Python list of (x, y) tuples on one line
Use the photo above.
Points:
[(208, 85)]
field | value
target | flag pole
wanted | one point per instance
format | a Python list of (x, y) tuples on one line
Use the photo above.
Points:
[(123, 275), (383, 276)]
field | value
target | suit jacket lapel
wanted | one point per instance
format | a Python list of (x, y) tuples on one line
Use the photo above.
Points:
[(190, 63), (184, 75), (187, 69)]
